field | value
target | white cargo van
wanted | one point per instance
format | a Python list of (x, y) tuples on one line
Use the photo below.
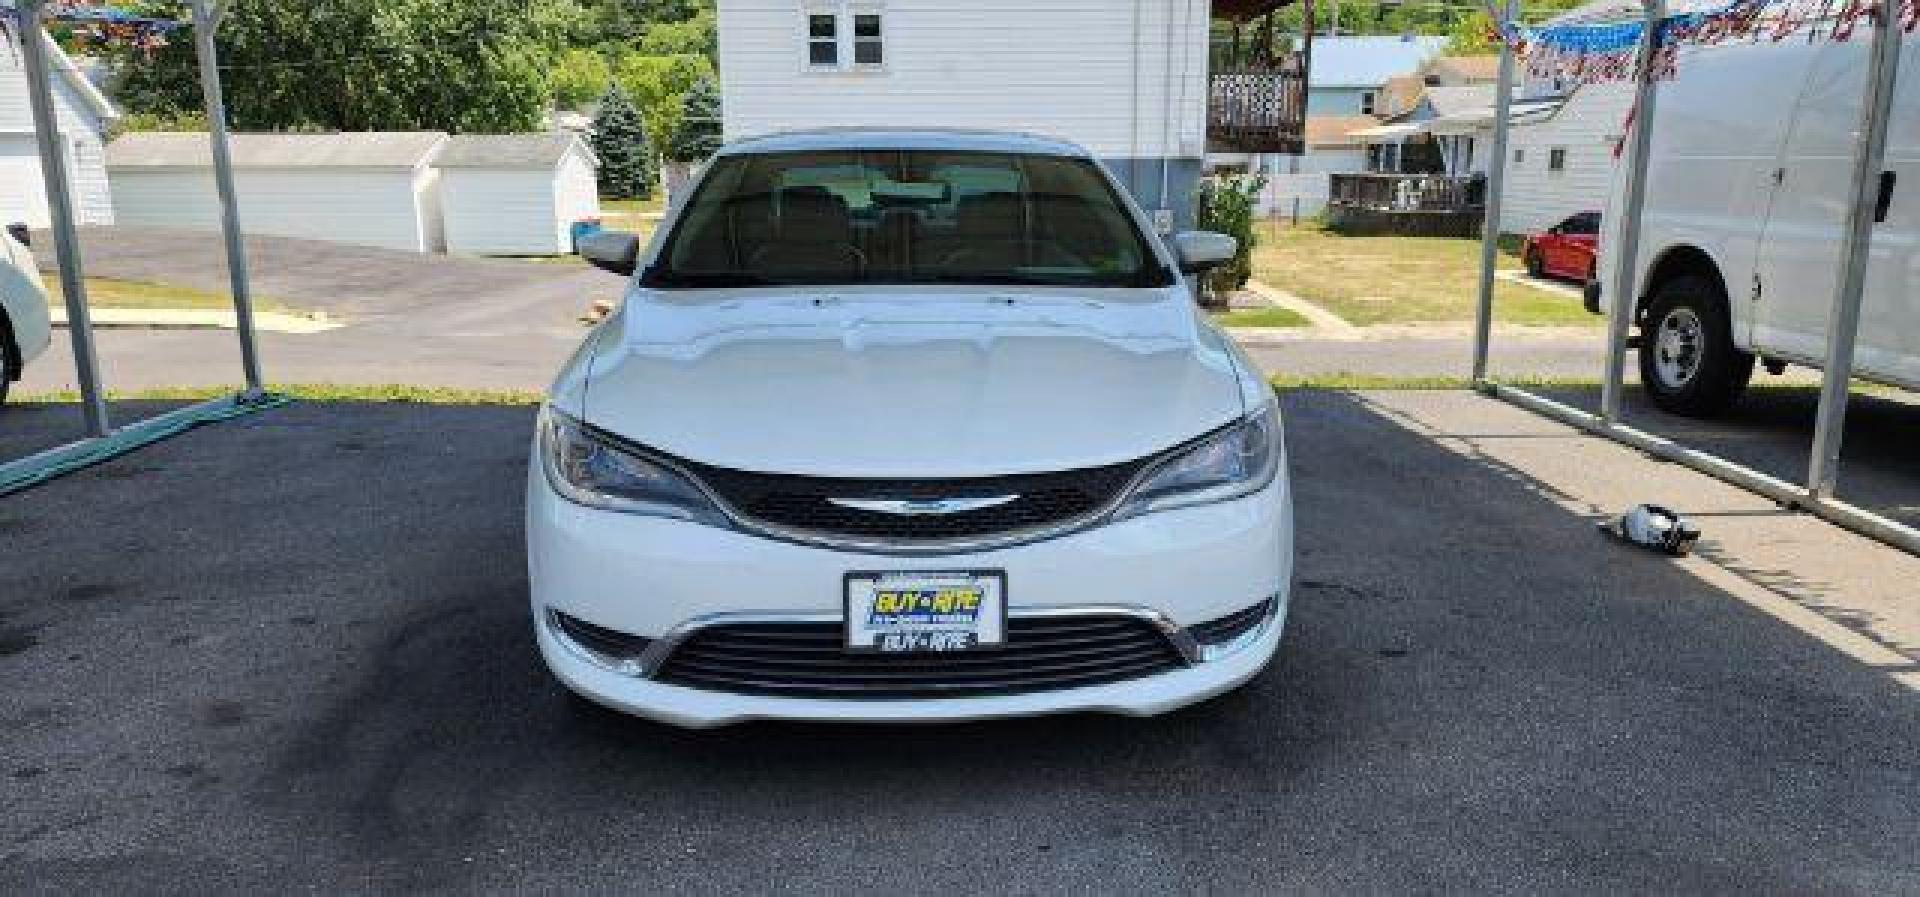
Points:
[(1747, 193)]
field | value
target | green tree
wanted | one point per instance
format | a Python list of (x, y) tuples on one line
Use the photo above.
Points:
[(625, 23), (1472, 36), (627, 169), (698, 135), (697, 36), (657, 84), (580, 76), (456, 65)]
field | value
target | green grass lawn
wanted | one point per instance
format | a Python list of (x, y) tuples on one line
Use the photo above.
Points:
[(630, 214), (104, 292), (1399, 280), (1261, 317)]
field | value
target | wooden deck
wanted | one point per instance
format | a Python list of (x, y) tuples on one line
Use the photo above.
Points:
[(1260, 109), (1408, 205)]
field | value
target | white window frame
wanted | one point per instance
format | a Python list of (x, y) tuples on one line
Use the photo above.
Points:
[(1368, 102), (846, 44), (1557, 159), (854, 13), (807, 40)]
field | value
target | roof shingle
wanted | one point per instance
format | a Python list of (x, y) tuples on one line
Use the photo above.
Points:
[(505, 150), (359, 149)]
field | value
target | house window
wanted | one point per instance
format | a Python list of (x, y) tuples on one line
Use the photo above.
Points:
[(1366, 102), (867, 40), (1519, 156), (823, 40), (1557, 159)]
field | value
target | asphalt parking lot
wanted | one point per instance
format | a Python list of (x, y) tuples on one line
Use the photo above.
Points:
[(292, 653)]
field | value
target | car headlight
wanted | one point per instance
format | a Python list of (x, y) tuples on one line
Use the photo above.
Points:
[(1234, 463), (589, 469)]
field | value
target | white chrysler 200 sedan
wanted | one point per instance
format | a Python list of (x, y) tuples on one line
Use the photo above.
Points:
[(907, 426)]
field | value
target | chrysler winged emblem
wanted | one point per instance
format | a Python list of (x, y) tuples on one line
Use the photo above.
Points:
[(923, 507)]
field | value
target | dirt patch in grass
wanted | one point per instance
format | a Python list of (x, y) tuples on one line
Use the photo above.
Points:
[(1399, 280)]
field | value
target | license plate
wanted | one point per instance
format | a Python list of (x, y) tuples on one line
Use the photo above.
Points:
[(926, 612)]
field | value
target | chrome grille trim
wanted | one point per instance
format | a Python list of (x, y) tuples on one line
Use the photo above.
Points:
[(1183, 640), (697, 473)]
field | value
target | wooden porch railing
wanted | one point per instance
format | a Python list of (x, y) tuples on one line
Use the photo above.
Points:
[(1260, 109), (1408, 192)]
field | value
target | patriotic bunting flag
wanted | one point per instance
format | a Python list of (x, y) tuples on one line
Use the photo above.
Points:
[(1589, 53)]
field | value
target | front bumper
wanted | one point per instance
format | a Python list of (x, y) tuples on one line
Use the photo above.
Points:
[(648, 577)]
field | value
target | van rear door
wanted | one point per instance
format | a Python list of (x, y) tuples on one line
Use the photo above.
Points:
[(1889, 342), (1799, 255), (1799, 262)]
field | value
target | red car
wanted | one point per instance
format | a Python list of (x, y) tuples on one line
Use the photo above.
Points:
[(1567, 250)]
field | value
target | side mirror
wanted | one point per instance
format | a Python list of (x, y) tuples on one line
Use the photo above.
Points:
[(611, 250), (20, 234), (1201, 250)]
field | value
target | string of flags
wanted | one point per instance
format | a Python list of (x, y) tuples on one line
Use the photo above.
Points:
[(98, 24), (1586, 53), (93, 23)]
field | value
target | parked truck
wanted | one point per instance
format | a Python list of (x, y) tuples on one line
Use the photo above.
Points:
[(1748, 187)]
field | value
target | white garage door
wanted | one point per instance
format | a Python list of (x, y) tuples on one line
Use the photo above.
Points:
[(23, 196)]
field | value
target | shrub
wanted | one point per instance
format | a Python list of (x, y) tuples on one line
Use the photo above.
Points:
[(1227, 206)]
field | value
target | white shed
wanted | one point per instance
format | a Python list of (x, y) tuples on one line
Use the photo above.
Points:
[(370, 188), (516, 194), (84, 115)]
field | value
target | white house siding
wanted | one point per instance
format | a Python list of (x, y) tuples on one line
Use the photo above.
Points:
[(1587, 127), (1341, 100), (1311, 182), (1075, 69), (22, 188), (371, 207)]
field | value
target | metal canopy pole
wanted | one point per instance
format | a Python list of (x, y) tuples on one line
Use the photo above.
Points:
[(206, 21), (1843, 320), (53, 170), (1496, 192), (1621, 286)]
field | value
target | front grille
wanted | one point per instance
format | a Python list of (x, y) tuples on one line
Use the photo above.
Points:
[(808, 660), (1231, 626), (802, 503)]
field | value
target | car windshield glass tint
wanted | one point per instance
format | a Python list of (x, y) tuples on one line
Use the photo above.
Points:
[(900, 217)]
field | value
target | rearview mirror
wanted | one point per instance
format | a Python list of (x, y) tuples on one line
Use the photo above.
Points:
[(611, 250), (1200, 250)]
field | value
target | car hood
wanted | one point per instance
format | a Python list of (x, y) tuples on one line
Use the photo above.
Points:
[(872, 385)]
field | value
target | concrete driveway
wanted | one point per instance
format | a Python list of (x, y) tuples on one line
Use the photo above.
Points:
[(292, 653)]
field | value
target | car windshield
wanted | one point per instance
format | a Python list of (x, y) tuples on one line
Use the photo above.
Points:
[(900, 217)]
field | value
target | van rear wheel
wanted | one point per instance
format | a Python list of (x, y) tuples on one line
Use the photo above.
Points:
[(1688, 363)]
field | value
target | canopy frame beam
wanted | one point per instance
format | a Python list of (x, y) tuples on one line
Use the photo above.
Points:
[(1816, 495)]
